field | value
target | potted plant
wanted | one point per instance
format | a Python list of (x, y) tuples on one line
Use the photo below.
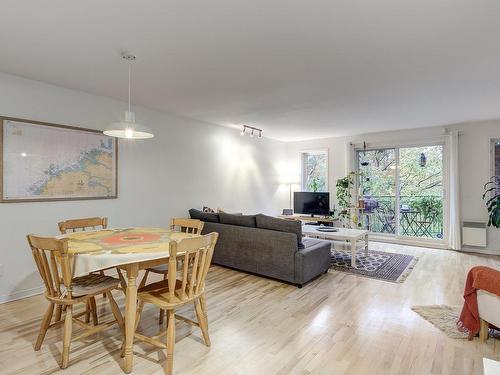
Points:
[(344, 196), (493, 203)]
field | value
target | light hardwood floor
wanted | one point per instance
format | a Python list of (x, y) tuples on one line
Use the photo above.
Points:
[(337, 324)]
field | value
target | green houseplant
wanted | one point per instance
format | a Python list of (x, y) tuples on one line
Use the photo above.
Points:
[(493, 202), (344, 195)]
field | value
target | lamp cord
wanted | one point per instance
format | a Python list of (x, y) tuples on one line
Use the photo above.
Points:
[(129, 73)]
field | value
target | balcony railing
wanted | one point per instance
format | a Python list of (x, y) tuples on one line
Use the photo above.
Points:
[(420, 216)]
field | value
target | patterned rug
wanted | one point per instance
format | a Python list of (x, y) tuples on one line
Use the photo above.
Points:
[(445, 319), (377, 265)]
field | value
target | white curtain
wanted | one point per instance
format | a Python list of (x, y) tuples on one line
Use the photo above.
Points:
[(350, 158), (454, 230)]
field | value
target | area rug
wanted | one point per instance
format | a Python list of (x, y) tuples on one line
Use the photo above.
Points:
[(445, 319), (377, 265)]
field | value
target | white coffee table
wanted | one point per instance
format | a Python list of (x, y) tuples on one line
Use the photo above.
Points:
[(343, 234)]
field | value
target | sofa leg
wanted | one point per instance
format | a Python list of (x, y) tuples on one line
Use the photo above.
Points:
[(299, 286)]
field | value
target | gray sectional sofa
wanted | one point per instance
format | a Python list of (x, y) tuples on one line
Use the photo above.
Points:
[(266, 246)]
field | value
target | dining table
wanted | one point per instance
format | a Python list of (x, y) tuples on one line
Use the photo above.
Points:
[(128, 249)]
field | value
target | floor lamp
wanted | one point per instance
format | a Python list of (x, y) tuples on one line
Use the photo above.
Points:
[(290, 180)]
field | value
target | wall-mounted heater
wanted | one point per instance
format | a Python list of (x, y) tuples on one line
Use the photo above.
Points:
[(474, 233)]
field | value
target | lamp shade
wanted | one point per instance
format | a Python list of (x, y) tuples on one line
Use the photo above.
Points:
[(128, 129), (289, 179)]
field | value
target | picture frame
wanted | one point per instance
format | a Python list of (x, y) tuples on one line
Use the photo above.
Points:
[(43, 162)]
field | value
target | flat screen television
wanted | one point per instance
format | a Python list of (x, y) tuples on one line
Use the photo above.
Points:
[(305, 202)]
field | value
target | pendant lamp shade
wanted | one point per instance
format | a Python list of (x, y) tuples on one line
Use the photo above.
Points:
[(128, 128)]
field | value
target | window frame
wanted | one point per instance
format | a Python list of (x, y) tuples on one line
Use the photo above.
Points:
[(313, 151), (493, 143)]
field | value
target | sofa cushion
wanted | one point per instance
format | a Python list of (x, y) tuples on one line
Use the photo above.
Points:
[(281, 225), (309, 242), (241, 220), (204, 216)]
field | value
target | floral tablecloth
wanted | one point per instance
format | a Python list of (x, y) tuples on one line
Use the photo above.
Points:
[(95, 250)]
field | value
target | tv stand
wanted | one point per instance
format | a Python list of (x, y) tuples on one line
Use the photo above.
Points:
[(310, 220)]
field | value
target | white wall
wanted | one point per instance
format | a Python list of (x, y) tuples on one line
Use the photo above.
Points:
[(187, 164), (475, 169), (474, 163)]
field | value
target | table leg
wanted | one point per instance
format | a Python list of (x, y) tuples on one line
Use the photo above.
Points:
[(353, 253), (130, 311), (366, 244)]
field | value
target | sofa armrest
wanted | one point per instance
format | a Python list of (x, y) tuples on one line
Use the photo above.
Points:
[(313, 260)]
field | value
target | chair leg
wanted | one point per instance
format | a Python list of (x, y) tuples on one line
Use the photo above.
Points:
[(162, 312), (88, 308), (102, 274), (58, 313), (483, 330), (44, 326), (123, 283), (201, 315), (144, 279), (68, 326), (170, 342), (93, 306), (116, 311), (140, 307)]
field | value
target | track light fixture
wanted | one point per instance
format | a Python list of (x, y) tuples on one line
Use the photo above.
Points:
[(251, 130)]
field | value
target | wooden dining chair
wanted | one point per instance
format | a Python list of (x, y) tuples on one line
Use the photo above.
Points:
[(91, 223), (62, 289), (193, 226), (183, 285)]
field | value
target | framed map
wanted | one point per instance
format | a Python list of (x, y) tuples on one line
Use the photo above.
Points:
[(48, 162)]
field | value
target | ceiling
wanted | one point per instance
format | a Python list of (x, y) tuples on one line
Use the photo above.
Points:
[(297, 69)]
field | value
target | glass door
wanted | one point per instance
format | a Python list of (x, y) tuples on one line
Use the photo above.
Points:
[(377, 182), (402, 190), (421, 191)]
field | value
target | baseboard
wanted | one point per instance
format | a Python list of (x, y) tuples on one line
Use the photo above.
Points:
[(409, 242), (479, 251), (37, 290), (21, 294)]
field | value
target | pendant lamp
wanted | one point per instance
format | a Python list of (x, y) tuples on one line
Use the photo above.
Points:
[(128, 128)]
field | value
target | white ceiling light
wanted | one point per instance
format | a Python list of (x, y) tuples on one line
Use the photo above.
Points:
[(128, 128)]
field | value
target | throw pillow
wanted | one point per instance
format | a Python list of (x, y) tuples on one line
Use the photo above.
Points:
[(204, 216), (220, 211)]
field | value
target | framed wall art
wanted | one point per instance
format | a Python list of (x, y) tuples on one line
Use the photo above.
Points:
[(49, 162)]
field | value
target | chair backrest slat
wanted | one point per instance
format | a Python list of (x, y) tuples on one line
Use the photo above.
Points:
[(196, 254), (185, 275), (83, 224), (193, 277), (49, 272), (55, 272), (193, 226)]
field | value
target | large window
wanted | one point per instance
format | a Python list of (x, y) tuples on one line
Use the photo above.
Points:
[(402, 190), (314, 170)]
